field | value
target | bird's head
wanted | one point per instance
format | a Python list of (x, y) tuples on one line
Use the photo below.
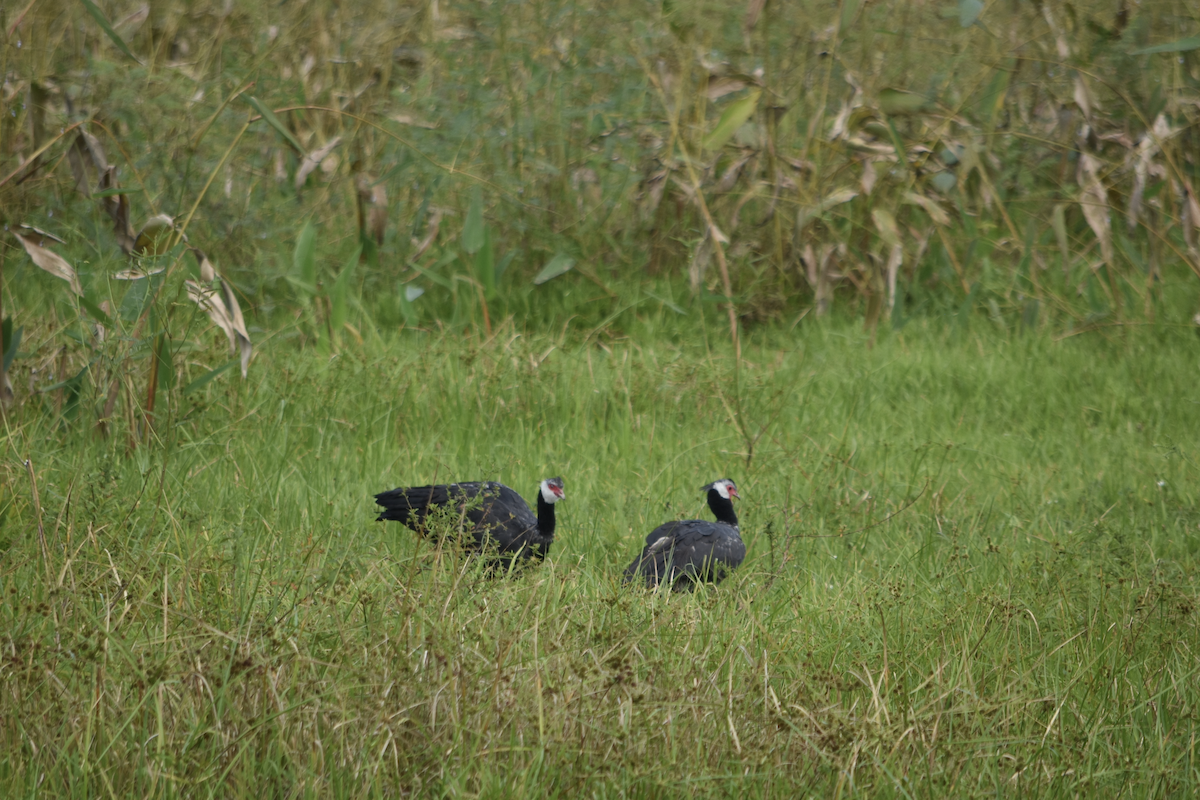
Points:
[(726, 488), (552, 490)]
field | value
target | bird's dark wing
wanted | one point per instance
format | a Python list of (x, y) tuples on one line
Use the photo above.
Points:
[(707, 551), (655, 559), (411, 505), (690, 549), (495, 515), (503, 516)]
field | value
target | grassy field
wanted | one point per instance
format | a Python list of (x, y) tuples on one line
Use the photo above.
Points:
[(971, 571), (920, 277)]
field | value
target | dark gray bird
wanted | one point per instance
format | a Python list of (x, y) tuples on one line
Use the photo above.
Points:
[(686, 552), (498, 520)]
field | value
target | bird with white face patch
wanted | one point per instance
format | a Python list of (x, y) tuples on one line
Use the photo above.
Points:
[(685, 552), (498, 519)]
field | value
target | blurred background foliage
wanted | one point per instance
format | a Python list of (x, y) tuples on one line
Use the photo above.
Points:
[(348, 168)]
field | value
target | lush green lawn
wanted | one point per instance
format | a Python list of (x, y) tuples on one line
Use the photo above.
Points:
[(971, 570)]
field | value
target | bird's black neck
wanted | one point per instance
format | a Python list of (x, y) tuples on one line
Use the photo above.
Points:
[(545, 513), (722, 508)]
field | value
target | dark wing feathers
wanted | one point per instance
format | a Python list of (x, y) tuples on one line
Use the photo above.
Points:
[(509, 515), (412, 504), (686, 551), (493, 510)]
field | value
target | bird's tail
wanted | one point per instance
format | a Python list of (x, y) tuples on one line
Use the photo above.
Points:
[(411, 505)]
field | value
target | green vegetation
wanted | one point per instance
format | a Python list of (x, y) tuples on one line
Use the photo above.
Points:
[(972, 567), (919, 276), (1034, 162)]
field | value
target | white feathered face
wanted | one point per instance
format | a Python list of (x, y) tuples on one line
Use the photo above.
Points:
[(726, 488), (552, 490)]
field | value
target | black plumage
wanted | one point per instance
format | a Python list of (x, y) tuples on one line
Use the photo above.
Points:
[(685, 552), (498, 519)]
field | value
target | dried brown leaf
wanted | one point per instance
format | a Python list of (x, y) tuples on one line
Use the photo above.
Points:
[(798, 164), (207, 272), (839, 127), (895, 260), (731, 174), (935, 212), (210, 303), (98, 329), (136, 273), (307, 65), (754, 9), (85, 150), (718, 87), (869, 176), (454, 33), (313, 159), (52, 262), (806, 214), (1060, 41), (431, 232), (808, 258), (698, 266), (404, 118), (1147, 148), (1093, 200), (372, 207), (222, 308), (860, 144), (239, 324), (1083, 97), (41, 234), (885, 223), (825, 279)]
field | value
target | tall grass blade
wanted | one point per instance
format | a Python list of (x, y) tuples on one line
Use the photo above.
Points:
[(207, 378), (473, 229), (102, 21), (275, 123), (896, 102), (12, 340), (1185, 45), (304, 263), (559, 265), (339, 292), (485, 265), (166, 366), (733, 117)]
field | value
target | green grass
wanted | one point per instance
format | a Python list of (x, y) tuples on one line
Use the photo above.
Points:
[(969, 490), (971, 571)]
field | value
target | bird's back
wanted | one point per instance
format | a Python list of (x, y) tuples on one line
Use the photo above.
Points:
[(411, 505), (488, 509), (504, 514), (691, 549)]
